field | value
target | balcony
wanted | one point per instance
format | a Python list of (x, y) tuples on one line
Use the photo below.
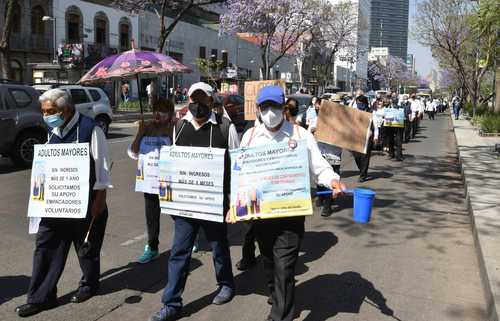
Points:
[(38, 43)]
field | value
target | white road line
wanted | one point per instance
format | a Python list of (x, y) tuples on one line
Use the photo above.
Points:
[(135, 240)]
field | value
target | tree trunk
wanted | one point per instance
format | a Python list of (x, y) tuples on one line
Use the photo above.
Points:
[(5, 40), (497, 90)]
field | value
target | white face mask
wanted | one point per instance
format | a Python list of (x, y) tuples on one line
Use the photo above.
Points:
[(272, 117)]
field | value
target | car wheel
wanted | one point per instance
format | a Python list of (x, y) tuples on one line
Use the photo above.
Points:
[(24, 147), (103, 122)]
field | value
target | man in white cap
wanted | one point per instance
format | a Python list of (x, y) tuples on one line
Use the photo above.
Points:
[(200, 128)]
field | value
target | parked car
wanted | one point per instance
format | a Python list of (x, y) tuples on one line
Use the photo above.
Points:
[(90, 101), (235, 108), (21, 122)]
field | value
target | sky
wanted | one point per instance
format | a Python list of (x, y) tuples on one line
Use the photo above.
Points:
[(423, 57)]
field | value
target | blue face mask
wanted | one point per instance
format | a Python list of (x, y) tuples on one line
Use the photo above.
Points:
[(54, 121)]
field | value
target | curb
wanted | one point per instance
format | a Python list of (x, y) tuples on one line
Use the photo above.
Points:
[(491, 305)]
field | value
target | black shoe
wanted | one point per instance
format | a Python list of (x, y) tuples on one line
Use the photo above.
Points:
[(28, 309), (326, 211), (82, 296), (399, 159), (362, 179), (270, 299), (244, 265)]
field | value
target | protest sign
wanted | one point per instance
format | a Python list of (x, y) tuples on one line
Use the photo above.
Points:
[(270, 181), (191, 182), (394, 117), (252, 89), (146, 177), (343, 126), (60, 181)]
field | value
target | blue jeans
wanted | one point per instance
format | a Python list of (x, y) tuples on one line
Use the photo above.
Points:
[(186, 230)]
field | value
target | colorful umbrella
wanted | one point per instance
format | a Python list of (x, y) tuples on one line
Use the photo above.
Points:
[(132, 63)]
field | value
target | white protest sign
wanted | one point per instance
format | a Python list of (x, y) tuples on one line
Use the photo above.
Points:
[(191, 182), (146, 177), (60, 181)]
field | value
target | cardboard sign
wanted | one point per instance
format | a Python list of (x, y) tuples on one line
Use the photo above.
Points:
[(252, 89), (146, 176), (60, 181), (343, 126), (191, 182)]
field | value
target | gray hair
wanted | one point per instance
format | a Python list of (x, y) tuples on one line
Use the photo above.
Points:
[(59, 97)]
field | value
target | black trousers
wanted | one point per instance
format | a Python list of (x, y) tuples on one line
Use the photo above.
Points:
[(414, 128), (363, 160), (395, 141), (327, 199), (248, 249), (407, 131), (153, 211), (53, 241), (279, 240)]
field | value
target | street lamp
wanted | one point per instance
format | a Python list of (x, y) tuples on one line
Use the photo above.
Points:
[(53, 19)]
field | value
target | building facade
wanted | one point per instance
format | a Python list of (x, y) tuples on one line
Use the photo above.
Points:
[(389, 26), (30, 40)]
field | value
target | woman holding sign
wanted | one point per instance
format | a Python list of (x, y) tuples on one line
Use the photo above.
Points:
[(280, 238), (145, 149), (77, 151)]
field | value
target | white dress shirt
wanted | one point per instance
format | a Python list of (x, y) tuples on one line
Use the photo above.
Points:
[(415, 108), (233, 139), (98, 151), (321, 172)]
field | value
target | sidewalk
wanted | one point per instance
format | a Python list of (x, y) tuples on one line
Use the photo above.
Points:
[(481, 173)]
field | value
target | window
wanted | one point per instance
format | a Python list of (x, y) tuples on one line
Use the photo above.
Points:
[(79, 96), (73, 28), (124, 34), (203, 52), (37, 24), (224, 59), (213, 55), (20, 97), (16, 17), (95, 94), (101, 29)]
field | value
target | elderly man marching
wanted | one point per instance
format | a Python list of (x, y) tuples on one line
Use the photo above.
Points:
[(200, 128), (56, 234), (280, 238)]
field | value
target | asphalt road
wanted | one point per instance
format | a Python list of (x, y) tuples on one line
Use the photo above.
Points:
[(415, 261)]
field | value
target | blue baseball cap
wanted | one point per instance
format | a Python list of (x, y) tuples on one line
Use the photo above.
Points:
[(271, 93)]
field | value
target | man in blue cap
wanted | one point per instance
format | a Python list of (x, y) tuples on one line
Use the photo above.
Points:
[(279, 239)]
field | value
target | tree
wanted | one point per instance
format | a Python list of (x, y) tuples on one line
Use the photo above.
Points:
[(454, 30), (209, 68), (161, 8), (278, 25), (5, 40), (390, 72), (336, 33)]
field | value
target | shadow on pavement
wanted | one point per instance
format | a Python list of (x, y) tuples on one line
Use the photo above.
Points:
[(13, 286), (327, 295)]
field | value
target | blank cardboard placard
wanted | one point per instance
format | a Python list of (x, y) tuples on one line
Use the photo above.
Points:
[(252, 90), (343, 126)]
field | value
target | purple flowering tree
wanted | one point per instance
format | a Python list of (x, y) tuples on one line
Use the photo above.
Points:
[(277, 26), (389, 72), (179, 7)]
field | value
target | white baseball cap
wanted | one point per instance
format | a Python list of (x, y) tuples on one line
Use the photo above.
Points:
[(203, 86)]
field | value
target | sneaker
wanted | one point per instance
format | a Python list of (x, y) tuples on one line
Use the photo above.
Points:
[(195, 248), (225, 295), (326, 211), (148, 255), (165, 314)]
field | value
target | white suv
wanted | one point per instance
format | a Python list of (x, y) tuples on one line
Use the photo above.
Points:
[(90, 101)]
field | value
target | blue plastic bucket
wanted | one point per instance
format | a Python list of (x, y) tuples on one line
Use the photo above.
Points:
[(363, 203)]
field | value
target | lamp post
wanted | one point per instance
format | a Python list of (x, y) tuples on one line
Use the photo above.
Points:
[(53, 19)]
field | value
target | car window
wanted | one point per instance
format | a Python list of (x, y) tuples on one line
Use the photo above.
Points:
[(20, 97), (95, 94), (79, 96)]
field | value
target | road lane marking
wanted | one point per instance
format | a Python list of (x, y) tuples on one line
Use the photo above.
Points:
[(135, 240)]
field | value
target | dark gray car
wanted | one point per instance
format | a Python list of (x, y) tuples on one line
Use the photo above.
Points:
[(21, 123)]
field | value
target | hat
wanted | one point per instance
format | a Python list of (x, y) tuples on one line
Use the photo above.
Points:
[(203, 86), (271, 93)]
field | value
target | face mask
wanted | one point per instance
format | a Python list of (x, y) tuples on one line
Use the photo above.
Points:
[(199, 110), (272, 117), (54, 121)]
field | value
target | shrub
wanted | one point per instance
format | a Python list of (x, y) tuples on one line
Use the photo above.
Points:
[(490, 123), (133, 105), (482, 109)]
